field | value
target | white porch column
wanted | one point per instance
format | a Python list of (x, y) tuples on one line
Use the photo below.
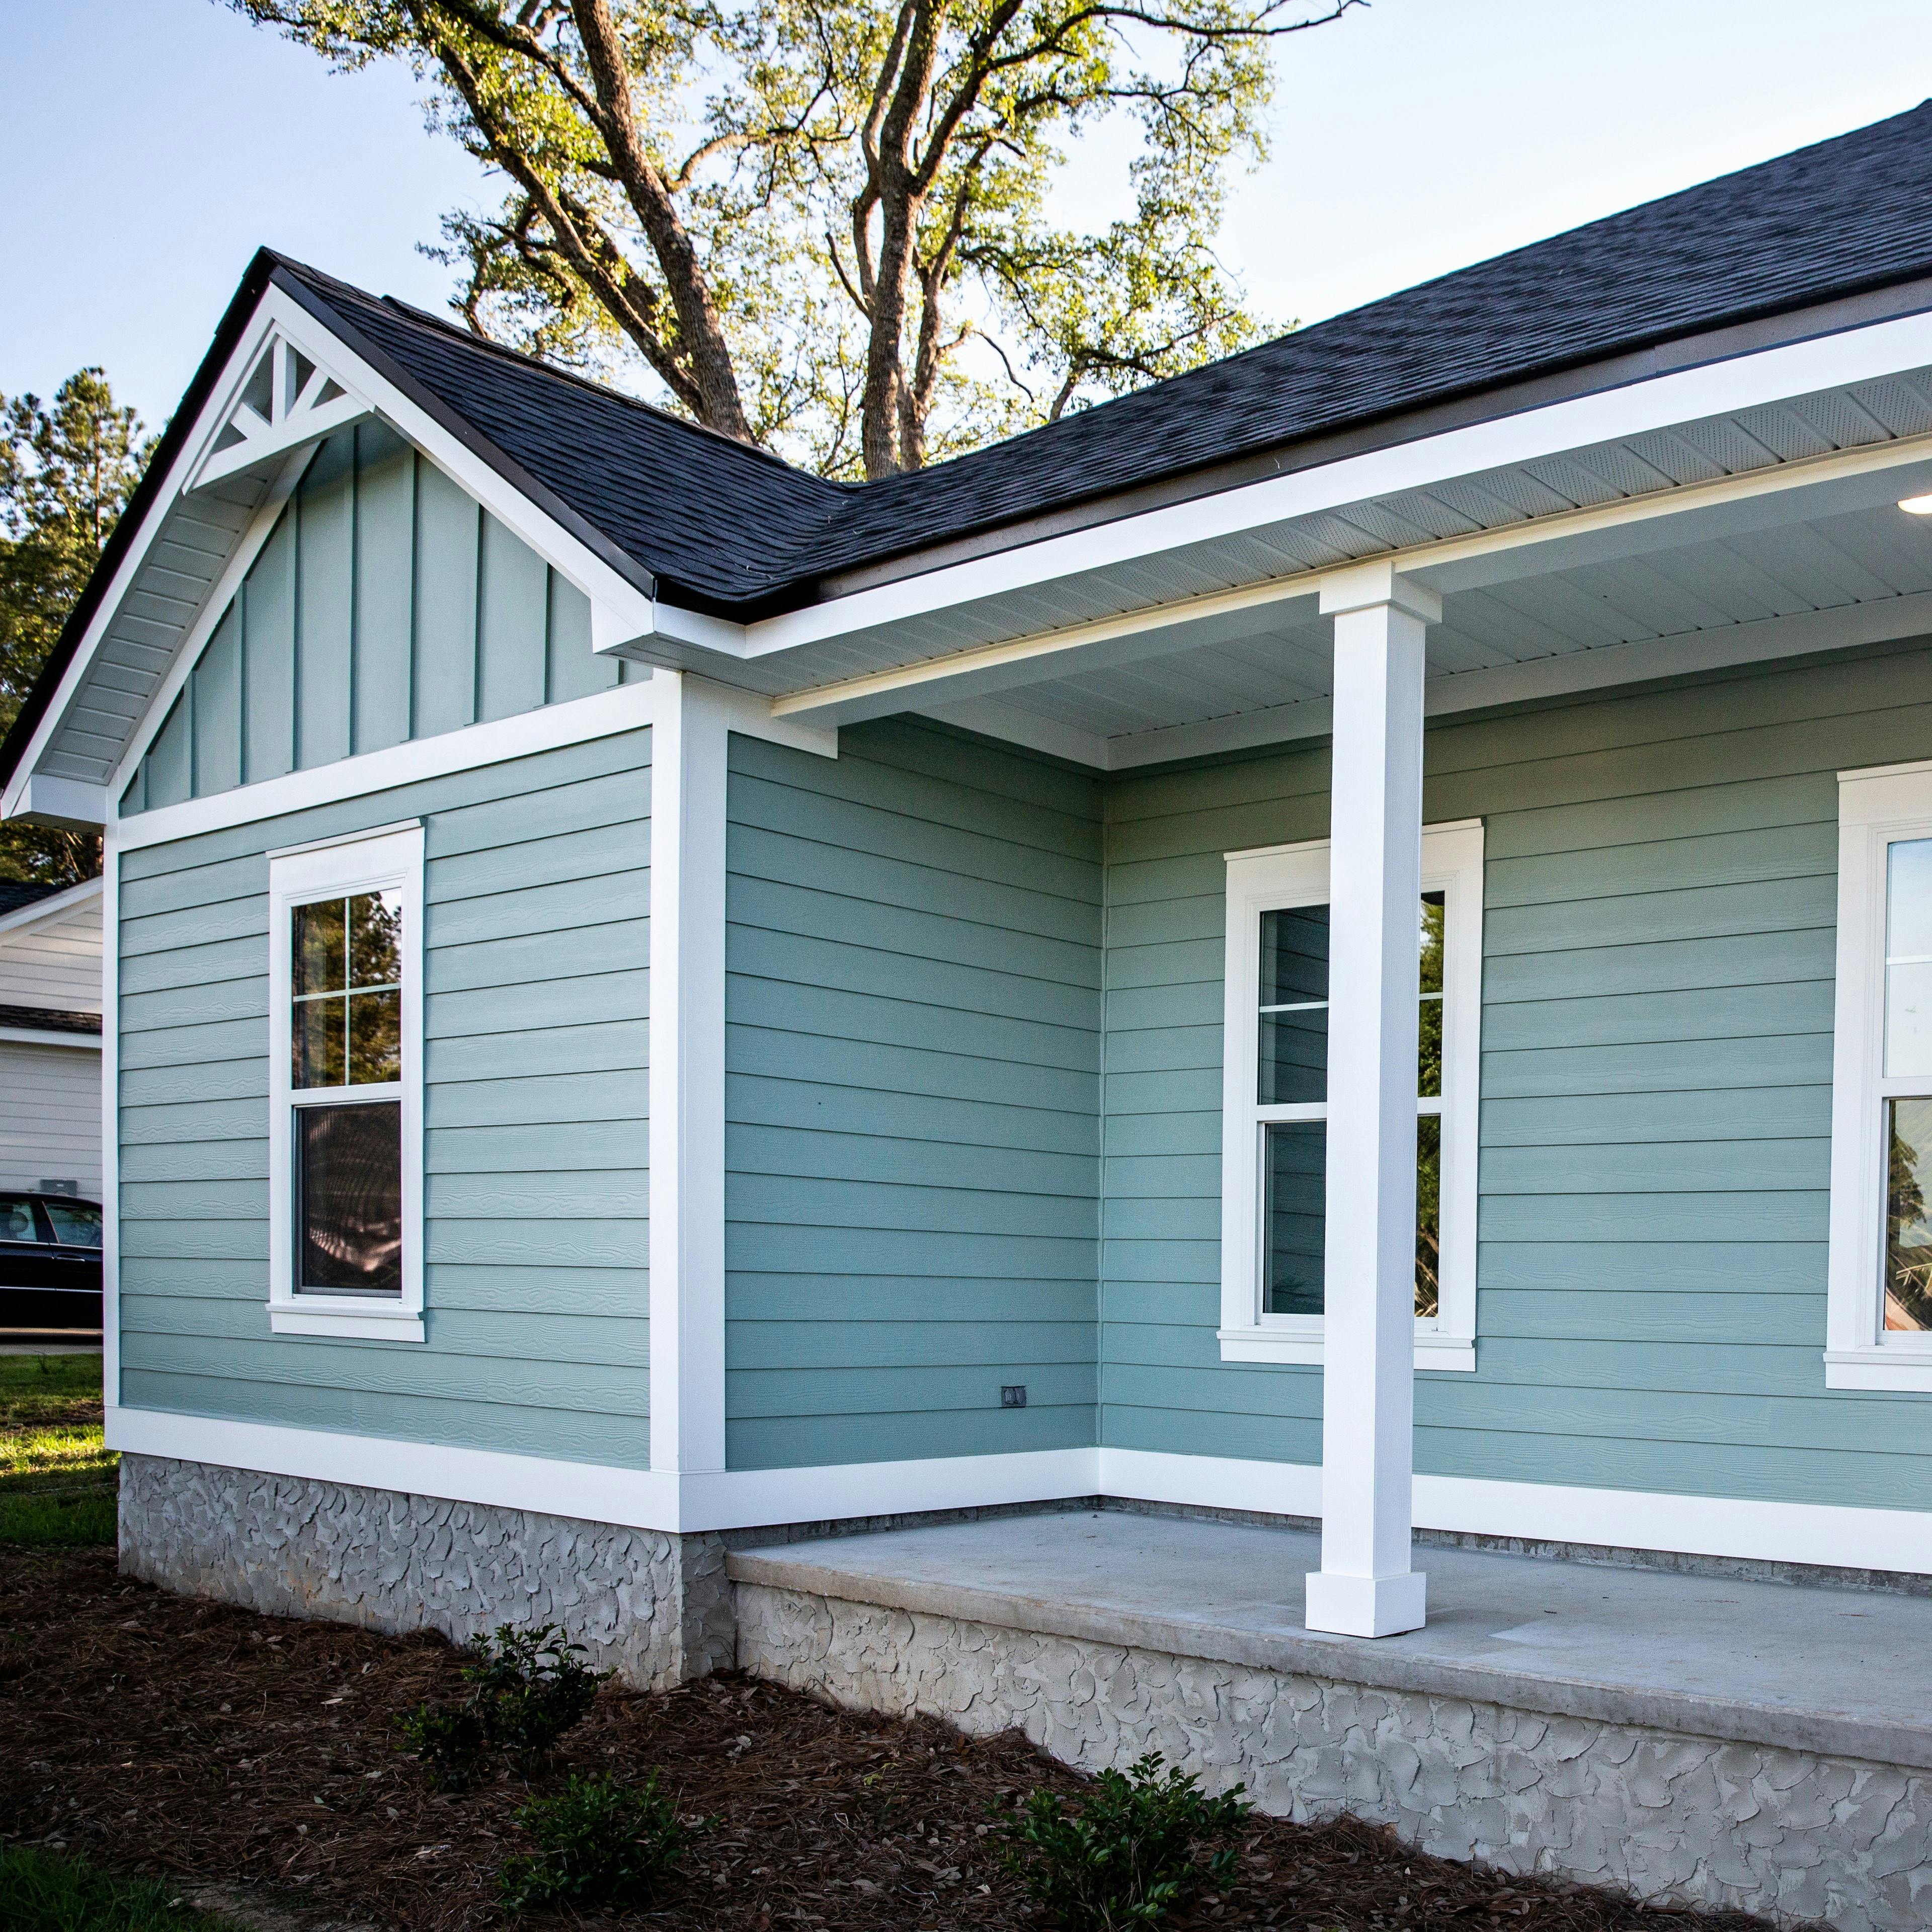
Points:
[(689, 744), (1365, 1587)]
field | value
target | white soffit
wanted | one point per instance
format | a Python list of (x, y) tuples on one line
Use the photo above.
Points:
[(1448, 527)]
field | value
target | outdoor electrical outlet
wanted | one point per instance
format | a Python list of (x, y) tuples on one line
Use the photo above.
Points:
[(1012, 1395)]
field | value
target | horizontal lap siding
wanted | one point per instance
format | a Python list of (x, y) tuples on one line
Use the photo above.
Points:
[(535, 1019), (1657, 1035), (50, 1117), (913, 1050)]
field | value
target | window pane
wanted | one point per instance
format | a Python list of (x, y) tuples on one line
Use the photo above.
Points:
[(16, 1219), (375, 1037), (1433, 912), (375, 939), (1429, 1215), (320, 962), (1295, 1216), (317, 1034), (1428, 1020), (1908, 1230), (77, 1223), (1908, 957), (1293, 975), (350, 1186)]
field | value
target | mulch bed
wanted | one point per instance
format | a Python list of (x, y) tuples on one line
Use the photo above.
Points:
[(152, 1732)]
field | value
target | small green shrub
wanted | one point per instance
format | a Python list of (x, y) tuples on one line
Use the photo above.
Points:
[(526, 1688), (599, 1842), (448, 1740), (529, 1686), (1127, 1855)]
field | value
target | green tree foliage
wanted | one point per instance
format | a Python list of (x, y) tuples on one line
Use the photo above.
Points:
[(66, 472), (829, 225)]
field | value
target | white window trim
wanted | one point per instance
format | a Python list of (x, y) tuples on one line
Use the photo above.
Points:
[(1875, 808), (1266, 880), (387, 860)]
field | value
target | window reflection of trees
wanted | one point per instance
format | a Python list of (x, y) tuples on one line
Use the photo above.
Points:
[(1908, 1239)]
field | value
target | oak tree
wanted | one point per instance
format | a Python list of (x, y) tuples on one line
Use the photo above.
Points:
[(829, 226)]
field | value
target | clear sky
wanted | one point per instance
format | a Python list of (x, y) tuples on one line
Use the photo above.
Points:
[(149, 145)]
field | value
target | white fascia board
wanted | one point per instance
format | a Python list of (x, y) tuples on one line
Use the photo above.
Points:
[(1632, 409), (55, 905), (72, 804)]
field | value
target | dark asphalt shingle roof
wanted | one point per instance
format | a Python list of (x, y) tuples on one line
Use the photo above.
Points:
[(724, 527), (48, 1019), (15, 893)]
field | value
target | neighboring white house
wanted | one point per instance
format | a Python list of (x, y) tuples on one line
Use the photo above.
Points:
[(50, 1038)]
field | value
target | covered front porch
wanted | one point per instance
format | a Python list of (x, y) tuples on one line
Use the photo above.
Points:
[(1697, 1736)]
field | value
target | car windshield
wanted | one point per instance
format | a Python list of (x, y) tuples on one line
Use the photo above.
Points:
[(77, 1223), (16, 1219)]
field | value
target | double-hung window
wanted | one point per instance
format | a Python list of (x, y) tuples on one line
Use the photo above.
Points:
[(1275, 1100), (1879, 1328), (345, 1084)]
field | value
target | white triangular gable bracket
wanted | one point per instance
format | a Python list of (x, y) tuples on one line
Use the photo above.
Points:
[(288, 400)]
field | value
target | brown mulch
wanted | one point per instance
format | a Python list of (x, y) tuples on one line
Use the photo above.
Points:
[(152, 1732)]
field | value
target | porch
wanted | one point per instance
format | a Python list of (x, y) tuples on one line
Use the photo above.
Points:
[(1700, 1737)]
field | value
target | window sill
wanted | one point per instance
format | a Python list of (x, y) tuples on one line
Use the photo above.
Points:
[(1904, 1372), (1433, 1351), (350, 1323)]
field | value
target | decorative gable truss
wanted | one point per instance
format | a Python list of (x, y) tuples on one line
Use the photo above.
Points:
[(288, 401)]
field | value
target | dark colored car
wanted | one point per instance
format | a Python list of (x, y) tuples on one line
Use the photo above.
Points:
[(49, 1261)]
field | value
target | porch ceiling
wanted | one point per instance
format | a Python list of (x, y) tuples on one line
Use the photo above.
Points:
[(1819, 570)]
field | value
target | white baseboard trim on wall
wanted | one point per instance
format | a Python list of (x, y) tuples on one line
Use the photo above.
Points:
[(1834, 1536)]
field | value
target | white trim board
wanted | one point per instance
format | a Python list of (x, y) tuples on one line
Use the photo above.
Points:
[(1837, 1536), (1570, 674), (87, 1042), (55, 905)]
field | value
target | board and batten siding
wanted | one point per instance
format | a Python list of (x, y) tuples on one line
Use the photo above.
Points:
[(1656, 1065), (913, 1053), (535, 1019), (385, 604)]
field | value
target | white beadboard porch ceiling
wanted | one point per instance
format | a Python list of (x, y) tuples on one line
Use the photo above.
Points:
[(1754, 584)]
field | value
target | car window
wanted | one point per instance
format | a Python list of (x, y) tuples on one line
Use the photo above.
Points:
[(77, 1223), (16, 1219)]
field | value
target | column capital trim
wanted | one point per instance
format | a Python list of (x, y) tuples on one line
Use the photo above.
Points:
[(1364, 587)]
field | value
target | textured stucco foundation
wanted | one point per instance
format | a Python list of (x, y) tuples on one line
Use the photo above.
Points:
[(654, 1607), (1797, 1836)]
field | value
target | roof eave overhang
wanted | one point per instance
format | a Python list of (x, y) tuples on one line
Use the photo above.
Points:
[(786, 656)]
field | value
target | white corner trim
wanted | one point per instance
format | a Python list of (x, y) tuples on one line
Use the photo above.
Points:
[(86, 1043), (55, 906), (690, 753), (628, 707), (110, 1114)]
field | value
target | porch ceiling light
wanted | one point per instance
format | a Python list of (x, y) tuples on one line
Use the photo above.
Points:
[(1916, 506)]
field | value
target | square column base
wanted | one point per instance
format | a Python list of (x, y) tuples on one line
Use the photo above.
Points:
[(1366, 1606)]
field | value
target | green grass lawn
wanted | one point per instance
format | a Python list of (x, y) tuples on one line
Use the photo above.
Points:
[(40, 1892), (57, 1481)]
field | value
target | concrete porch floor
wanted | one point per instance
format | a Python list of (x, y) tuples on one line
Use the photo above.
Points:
[(1693, 1739), (1802, 1666)]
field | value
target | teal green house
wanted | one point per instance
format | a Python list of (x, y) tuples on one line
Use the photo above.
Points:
[(1346, 936)]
